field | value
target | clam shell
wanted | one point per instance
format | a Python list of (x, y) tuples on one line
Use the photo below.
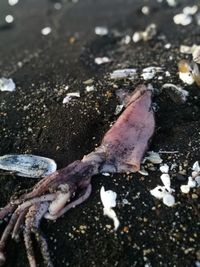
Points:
[(27, 165)]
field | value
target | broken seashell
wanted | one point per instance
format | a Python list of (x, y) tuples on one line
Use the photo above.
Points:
[(168, 200), (70, 96), (158, 192), (185, 189), (150, 72), (154, 157), (196, 55), (28, 165), (123, 74), (164, 168), (197, 179), (182, 19), (191, 182), (7, 85), (143, 172), (100, 30), (165, 178), (108, 199), (196, 167), (101, 60)]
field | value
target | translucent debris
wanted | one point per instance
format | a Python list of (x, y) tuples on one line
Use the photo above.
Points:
[(108, 199), (100, 30), (7, 85), (46, 31), (144, 172), (126, 39), (149, 33), (153, 157), (70, 96), (191, 182), (164, 168), (176, 93), (168, 200), (118, 109), (185, 189), (197, 179), (150, 72), (102, 60), (27, 165), (123, 74), (182, 19), (172, 3)]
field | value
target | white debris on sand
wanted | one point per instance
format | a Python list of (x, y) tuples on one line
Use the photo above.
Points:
[(150, 72), (7, 85), (9, 18), (185, 49), (108, 199), (194, 180), (196, 55), (186, 17), (90, 88), (100, 30), (46, 31), (149, 33), (164, 168), (123, 74), (153, 157), (102, 60), (164, 192), (176, 93), (13, 2), (118, 109), (70, 96)]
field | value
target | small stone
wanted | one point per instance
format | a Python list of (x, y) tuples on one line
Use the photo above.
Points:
[(185, 189), (194, 196)]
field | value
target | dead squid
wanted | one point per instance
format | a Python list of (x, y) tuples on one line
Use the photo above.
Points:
[(121, 150)]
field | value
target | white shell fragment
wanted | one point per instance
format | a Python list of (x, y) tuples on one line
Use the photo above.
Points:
[(153, 157), (191, 182), (70, 96), (108, 199), (190, 10), (197, 179), (196, 167), (123, 74), (182, 19), (168, 200), (165, 178), (148, 34), (164, 168), (101, 60), (118, 109), (7, 85), (12, 2), (100, 30), (150, 72), (90, 88), (158, 192), (185, 189), (188, 49), (186, 77), (196, 55), (46, 31), (28, 165)]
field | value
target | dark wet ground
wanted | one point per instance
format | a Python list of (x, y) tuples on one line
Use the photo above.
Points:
[(34, 120)]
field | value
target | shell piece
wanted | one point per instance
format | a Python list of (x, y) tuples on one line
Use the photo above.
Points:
[(176, 93), (154, 157), (191, 182), (196, 167), (197, 179), (28, 165), (165, 178), (7, 85), (108, 198), (168, 200), (164, 168), (182, 19), (158, 192), (123, 74), (185, 189)]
